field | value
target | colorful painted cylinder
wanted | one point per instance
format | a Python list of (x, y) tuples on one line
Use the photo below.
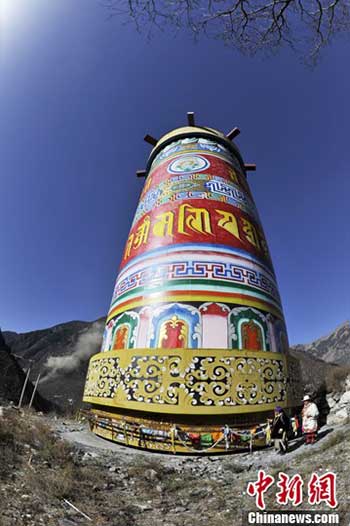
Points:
[(195, 337)]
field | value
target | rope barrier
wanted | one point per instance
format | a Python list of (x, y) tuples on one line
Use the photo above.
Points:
[(196, 450), (246, 438)]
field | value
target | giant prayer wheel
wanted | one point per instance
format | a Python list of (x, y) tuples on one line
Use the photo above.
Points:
[(195, 342)]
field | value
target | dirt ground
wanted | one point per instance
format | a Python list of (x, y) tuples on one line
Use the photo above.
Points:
[(59, 460)]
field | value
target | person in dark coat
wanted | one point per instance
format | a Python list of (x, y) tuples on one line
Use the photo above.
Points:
[(279, 430)]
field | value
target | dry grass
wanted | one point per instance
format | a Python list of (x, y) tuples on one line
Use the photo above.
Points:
[(23, 436), (8, 453), (59, 483), (37, 464)]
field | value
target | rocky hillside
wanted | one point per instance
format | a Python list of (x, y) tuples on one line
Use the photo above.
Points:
[(12, 378), (318, 377), (333, 348), (60, 354)]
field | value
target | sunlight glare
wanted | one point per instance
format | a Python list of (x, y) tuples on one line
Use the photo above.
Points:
[(12, 12)]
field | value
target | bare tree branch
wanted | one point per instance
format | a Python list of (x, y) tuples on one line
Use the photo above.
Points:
[(251, 26)]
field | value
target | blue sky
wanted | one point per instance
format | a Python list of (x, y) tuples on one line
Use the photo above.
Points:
[(78, 91)]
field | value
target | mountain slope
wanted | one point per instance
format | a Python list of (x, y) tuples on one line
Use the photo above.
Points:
[(333, 348), (60, 354), (12, 378)]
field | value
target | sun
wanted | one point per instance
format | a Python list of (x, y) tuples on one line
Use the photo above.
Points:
[(10, 11)]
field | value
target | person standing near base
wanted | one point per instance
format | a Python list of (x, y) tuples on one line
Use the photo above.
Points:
[(279, 430), (310, 420)]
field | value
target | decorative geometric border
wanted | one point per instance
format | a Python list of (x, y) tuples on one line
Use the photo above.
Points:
[(188, 381), (166, 275), (190, 251)]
